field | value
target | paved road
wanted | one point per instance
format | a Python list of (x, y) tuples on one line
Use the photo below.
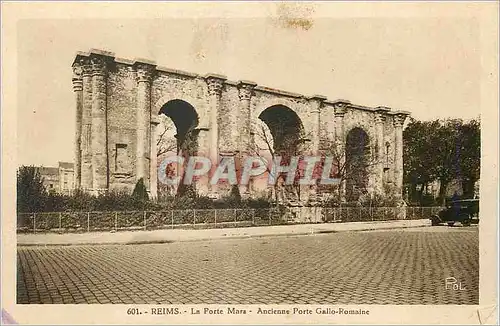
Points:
[(376, 267)]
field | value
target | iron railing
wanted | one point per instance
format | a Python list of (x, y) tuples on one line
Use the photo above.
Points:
[(209, 218)]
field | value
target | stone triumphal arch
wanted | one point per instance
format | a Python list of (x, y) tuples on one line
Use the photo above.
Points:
[(119, 102)]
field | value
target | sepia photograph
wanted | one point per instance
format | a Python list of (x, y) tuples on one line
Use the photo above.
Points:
[(285, 164)]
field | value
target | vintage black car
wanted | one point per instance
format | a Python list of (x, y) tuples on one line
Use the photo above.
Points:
[(465, 211)]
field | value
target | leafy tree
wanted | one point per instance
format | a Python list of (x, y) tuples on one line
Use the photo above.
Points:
[(441, 150), (420, 164), (31, 192), (470, 155)]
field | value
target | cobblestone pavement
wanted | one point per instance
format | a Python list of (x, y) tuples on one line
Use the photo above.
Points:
[(388, 267)]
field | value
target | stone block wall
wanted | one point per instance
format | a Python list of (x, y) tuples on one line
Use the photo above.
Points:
[(118, 102)]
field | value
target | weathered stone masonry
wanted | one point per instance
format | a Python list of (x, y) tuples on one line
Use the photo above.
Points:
[(117, 104)]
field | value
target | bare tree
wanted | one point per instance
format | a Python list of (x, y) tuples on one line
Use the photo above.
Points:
[(345, 167), (169, 141), (166, 139), (266, 147)]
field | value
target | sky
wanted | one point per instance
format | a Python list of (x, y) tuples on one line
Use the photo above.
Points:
[(428, 66)]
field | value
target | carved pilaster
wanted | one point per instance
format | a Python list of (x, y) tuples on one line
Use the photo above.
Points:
[(77, 77), (78, 88), (245, 93), (144, 155), (99, 66), (380, 113), (215, 84), (245, 90), (340, 109), (145, 72), (86, 138), (399, 119), (154, 162), (100, 171), (316, 135)]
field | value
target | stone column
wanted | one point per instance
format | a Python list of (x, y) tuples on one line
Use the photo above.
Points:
[(143, 115), (86, 140), (317, 104), (78, 89), (340, 109), (245, 92), (245, 144), (379, 123), (215, 84), (100, 162), (153, 174), (399, 119)]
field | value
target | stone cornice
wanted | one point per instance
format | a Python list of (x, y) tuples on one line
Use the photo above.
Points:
[(382, 109), (400, 112), (109, 57), (278, 92), (177, 72), (320, 98)]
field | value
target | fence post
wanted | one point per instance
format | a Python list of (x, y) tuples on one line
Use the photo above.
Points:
[(88, 221), (269, 216), (172, 217), (34, 222), (60, 221), (253, 216), (144, 220), (116, 221), (194, 216), (215, 217), (235, 215), (371, 212)]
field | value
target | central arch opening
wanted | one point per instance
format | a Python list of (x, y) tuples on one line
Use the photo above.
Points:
[(280, 133), (176, 135), (357, 161), (284, 130)]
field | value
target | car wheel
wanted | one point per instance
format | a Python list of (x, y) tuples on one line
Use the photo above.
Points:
[(451, 223), (465, 219)]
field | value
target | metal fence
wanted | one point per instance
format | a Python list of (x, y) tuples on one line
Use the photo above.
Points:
[(210, 218)]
